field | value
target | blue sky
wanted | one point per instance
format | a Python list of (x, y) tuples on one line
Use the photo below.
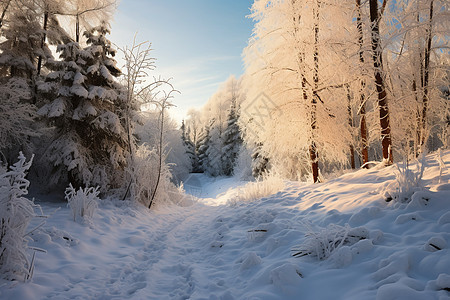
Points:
[(198, 43)]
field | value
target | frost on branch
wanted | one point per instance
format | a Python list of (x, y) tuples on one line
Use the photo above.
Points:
[(16, 211), (82, 203)]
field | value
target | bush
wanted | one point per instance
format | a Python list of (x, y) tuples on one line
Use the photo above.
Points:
[(143, 171), (408, 180), (83, 202), (16, 213), (323, 243)]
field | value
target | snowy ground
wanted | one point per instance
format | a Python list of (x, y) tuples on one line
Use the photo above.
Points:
[(221, 247)]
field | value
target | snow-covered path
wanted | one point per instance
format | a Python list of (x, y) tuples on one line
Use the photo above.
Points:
[(216, 249)]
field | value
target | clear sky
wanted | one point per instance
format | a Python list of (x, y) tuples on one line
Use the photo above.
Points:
[(198, 42)]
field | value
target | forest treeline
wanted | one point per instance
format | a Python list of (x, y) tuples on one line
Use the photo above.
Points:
[(330, 85)]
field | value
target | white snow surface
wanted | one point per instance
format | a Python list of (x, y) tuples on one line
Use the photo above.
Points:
[(214, 248)]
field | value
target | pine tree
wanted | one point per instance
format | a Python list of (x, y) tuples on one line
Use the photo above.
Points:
[(189, 147), (22, 44), (203, 148), (260, 162), (91, 140), (19, 48), (215, 152), (233, 140)]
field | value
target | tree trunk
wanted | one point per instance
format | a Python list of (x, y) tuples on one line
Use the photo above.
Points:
[(313, 155), (39, 66), (416, 95), (161, 133), (386, 141), (362, 109), (77, 28), (350, 123), (426, 74)]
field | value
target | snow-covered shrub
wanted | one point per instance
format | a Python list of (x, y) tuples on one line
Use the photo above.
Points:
[(16, 211), (408, 180), (269, 185), (143, 171), (83, 202), (148, 133), (323, 243)]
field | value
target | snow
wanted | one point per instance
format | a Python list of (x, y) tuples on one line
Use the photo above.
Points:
[(220, 248)]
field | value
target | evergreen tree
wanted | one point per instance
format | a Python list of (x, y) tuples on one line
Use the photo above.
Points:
[(19, 48), (260, 162), (87, 110), (189, 147), (22, 44), (215, 162), (233, 140), (203, 148)]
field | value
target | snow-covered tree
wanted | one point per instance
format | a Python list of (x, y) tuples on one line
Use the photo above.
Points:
[(19, 48), (260, 162), (188, 145), (296, 71), (90, 144), (193, 132), (22, 43), (416, 60), (232, 139), (203, 147)]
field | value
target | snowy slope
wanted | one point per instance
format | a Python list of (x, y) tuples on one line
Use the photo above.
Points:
[(221, 247)]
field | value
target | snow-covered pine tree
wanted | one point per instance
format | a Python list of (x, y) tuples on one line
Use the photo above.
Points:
[(215, 165), (19, 49), (193, 131), (188, 145), (90, 145), (203, 148), (260, 162), (22, 43), (192, 152), (232, 139)]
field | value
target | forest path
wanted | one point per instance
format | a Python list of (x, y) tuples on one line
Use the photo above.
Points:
[(170, 254)]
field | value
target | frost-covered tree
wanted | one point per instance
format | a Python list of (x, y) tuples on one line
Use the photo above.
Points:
[(175, 156), (19, 49), (260, 162), (193, 130), (416, 61), (189, 147), (377, 57), (296, 71), (88, 13), (203, 148), (232, 139), (21, 44), (91, 141)]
